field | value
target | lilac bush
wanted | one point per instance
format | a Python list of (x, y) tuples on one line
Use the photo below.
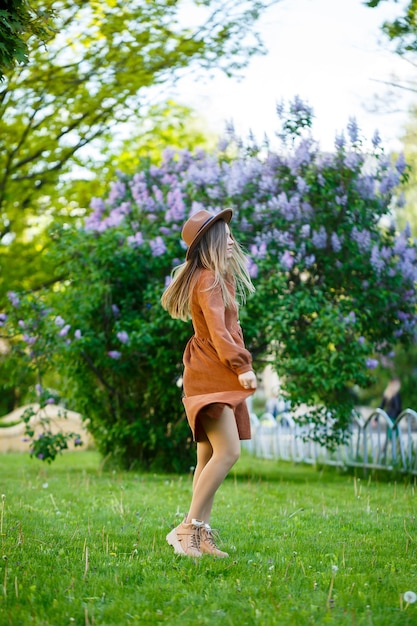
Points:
[(335, 283)]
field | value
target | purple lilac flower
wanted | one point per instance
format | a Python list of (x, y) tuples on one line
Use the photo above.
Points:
[(352, 160), (3, 318), (59, 321), (122, 336), (350, 318), (77, 334), (252, 268), (319, 238), (336, 243), (341, 200), (77, 441), (403, 316), (377, 261), (13, 298), (38, 388), (97, 204), (371, 364), (401, 200), (366, 187), (117, 191), (176, 211), (236, 178), (158, 246), (302, 186), (390, 180), (168, 155), (50, 401), (400, 244), (310, 260), (280, 109), (362, 239), (361, 340), (64, 331), (386, 253), (115, 310), (410, 255), (302, 156), (28, 339), (289, 208), (287, 260), (259, 252), (21, 323), (376, 139), (40, 456), (340, 141), (114, 354), (136, 240), (353, 130), (223, 144), (401, 163), (321, 180), (300, 108), (305, 231)]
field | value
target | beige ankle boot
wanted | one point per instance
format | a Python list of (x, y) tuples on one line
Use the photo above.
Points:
[(207, 543), (185, 538)]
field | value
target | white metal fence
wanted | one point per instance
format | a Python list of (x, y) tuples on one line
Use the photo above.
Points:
[(376, 442)]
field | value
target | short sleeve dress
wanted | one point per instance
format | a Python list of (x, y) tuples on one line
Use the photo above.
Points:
[(213, 359)]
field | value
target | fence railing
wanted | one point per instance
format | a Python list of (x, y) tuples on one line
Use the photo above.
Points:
[(375, 442)]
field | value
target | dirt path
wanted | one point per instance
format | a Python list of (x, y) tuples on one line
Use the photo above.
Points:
[(12, 437)]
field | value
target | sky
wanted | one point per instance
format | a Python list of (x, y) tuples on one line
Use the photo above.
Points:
[(331, 53)]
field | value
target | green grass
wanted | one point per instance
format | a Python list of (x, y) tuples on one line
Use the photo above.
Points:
[(86, 547)]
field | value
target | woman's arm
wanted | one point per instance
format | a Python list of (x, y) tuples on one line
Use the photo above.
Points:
[(231, 353)]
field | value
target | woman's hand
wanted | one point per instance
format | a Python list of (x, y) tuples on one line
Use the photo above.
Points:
[(248, 380)]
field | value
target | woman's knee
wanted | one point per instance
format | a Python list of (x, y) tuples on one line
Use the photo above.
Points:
[(232, 455)]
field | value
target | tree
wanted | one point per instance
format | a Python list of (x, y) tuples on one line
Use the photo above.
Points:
[(335, 285), (403, 29), (102, 69), (18, 22)]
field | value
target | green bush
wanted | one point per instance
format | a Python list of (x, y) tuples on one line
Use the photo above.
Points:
[(335, 286)]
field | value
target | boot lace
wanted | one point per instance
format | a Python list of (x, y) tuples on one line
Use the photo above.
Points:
[(208, 536)]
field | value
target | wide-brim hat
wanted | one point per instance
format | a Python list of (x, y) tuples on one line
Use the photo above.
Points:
[(199, 223)]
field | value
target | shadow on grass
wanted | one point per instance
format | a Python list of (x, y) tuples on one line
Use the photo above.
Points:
[(256, 469), (248, 468)]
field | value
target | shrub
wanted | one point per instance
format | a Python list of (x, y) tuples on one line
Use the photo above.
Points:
[(335, 285)]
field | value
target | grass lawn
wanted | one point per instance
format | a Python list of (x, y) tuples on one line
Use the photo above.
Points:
[(86, 547)]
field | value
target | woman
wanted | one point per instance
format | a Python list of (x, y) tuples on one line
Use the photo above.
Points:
[(218, 375)]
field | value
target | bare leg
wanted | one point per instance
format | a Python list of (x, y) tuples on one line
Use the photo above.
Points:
[(204, 454), (223, 436)]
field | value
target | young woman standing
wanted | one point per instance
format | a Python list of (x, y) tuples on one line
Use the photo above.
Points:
[(218, 375)]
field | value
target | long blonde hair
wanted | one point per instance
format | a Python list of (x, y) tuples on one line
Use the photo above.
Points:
[(210, 253)]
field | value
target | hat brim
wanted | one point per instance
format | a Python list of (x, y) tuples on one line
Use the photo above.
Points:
[(225, 215)]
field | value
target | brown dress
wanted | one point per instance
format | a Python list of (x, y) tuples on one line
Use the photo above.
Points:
[(213, 359)]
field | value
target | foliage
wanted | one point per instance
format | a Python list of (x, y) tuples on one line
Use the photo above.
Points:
[(64, 118), (403, 29), (18, 22), (45, 442), (335, 286), (307, 547), (105, 67)]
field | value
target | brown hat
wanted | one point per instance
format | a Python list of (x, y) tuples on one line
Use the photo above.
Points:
[(195, 227)]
